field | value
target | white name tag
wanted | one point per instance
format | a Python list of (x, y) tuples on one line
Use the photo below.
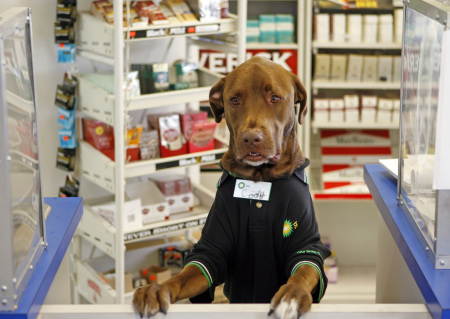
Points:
[(252, 190)]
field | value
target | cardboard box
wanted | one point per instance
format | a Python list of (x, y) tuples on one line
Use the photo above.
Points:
[(352, 112), (398, 25), (148, 8), (354, 67), (354, 28), (202, 138), (337, 110), (385, 107), (385, 68), (397, 69), (156, 274), (322, 66), (370, 69), (321, 110), (386, 28), (110, 278), (339, 27), (132, 216), (370, 32), (396, 111), (267, 28), (322, 26), (154, 204), (284, 28), (252, 31), (177, 191), (338, 67), (368, 108)]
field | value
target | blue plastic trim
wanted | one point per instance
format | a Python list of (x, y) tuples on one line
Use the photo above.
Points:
[(61, 224), (434, 284)]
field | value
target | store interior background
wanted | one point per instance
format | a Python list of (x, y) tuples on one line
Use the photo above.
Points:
[(353, 227)]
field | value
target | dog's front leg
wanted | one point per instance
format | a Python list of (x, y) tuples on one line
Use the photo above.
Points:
[(294, 298), (153, 298)]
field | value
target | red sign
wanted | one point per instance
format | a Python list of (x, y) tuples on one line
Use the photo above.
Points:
[(221, 62)]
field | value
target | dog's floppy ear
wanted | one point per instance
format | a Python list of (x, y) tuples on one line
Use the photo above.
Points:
[(216, 99), (300, 97)]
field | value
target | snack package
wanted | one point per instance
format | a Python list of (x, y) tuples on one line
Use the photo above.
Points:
[(172, 141)]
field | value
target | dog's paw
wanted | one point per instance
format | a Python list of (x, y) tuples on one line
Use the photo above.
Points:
[(290, 302), (151, 299)]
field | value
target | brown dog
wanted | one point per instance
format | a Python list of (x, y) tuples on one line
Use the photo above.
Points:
[(261, 236)]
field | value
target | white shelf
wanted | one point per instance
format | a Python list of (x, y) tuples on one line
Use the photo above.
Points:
[(100, 233), (96, 35), (272, 46), (355, 285), (348, 85), (356, 126), (357, 45), (100, 169)]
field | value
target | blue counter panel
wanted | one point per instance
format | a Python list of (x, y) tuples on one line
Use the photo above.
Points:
[(60, 226), (434, 284)]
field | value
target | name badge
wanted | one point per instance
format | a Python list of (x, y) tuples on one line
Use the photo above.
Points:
[(252, 190)]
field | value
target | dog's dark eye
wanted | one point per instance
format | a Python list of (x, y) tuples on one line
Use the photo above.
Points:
[(275, 99), (235, 101)]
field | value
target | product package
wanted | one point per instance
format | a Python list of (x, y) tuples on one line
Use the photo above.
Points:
[(177, 191), (322, 27), (354, 68), (339, 27), (156, 274), (149, 9), (70, 188), (187, 72), (385, 68), (336, 110), (322, 66), (252, 31), (173, 256), (171, 139), (338, 67), (369, 105), (370, 33), (370, 69), (160, 77), (154, 205), (385, 107), (131, 213), (321, 110), (267, 28), (206, 10), (351, 103), (65, 159), (149, 145), (182, 10), (354, 28), (284, 26)]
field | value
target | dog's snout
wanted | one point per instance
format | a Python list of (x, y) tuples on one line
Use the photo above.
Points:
[(252, 137)]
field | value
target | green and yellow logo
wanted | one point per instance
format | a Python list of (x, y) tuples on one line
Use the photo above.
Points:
[(288, 228)]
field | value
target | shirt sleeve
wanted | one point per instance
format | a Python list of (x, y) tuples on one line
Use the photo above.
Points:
[(213, 251), (304, 247)]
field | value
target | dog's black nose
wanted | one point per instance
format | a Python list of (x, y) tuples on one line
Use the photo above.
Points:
[(252, 137)]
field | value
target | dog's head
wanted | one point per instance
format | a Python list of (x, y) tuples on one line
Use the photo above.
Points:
[(257, 100)]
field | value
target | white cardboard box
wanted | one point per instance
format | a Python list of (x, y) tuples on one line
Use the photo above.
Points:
[(386, 28), (339, 27), (354, 67), (354, 27), (322, 27), (370, 69), (338, 67), (370, 34), (337, 110), (321, 110), (385, 68), (385, 107), (322, 67), (368, 108), (154, 204), (131, 214), (351, 103)]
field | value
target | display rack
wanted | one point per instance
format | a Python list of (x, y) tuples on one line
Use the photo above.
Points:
[(110, 44), (312, 128)]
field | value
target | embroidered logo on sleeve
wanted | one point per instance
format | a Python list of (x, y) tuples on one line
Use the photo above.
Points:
[(289, 227)]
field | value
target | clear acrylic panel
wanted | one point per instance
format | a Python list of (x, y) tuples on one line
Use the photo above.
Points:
[(21, 209), (420, 91)]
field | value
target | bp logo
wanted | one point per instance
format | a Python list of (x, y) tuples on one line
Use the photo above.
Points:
[(288, 228), (241, 185)]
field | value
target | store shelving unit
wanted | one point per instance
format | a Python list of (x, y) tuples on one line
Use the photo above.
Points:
[(312, 127), (111, 45)]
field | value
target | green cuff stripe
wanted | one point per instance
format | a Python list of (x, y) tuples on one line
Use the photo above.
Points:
[(320, 276), (203, 271)]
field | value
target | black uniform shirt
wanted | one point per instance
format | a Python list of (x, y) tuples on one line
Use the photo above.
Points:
[(254, 246)]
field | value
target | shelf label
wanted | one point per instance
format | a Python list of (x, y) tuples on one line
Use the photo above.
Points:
[(208, 158), (178, 30), (164, 229)]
